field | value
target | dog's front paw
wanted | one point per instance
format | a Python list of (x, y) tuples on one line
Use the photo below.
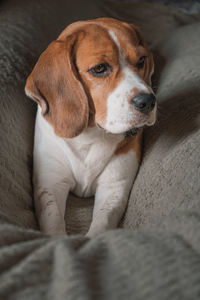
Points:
[(96, 230), (90, 234)]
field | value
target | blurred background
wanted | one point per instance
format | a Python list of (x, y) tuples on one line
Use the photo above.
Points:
[(187, 6)]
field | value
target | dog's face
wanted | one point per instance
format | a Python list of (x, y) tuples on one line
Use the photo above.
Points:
[(97, 72)]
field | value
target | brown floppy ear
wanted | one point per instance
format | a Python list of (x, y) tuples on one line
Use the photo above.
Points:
[(55, 86)]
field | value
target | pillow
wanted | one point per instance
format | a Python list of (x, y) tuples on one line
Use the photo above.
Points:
[(26, 28), (168, 179)]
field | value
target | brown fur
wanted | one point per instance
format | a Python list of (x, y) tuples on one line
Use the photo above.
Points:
[(71, 99), (131, 143), (55, 85)]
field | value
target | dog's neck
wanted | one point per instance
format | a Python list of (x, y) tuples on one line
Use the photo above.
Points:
[(96, 135), (90, 136)]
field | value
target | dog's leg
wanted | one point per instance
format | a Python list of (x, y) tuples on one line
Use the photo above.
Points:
[(114, 186), (51, 188), (112, 192), (52, 178), (50, 202)]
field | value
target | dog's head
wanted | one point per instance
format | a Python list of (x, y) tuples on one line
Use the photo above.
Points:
[(96, 72)]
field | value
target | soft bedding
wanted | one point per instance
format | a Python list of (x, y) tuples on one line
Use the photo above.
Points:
[(156, 253)]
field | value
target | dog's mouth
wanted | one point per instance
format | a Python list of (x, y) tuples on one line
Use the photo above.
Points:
[(133, 131), (130, 132), (141, 121)]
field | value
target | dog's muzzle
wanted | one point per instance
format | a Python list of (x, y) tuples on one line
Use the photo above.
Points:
[(144, 103)]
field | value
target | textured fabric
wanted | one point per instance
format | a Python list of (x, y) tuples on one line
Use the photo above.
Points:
[(36, 23), (26, 28), (169, 178), (120, 264), (160, 258)]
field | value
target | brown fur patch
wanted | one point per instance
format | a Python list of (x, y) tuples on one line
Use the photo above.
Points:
[(96, 51), (132, 143), (53, 83)]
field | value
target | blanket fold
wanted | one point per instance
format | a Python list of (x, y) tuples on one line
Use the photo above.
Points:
[(157, 253), (162, 263)]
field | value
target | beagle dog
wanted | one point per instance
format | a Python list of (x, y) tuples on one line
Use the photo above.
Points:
[(94, 95)]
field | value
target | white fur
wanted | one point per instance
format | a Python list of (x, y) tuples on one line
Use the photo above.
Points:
[(121, 115), (87, 164), (84, 165)]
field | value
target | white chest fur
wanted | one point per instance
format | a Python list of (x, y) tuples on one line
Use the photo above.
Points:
[(86, 165), (83, 157)]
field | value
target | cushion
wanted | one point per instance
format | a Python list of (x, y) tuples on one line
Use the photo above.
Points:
[(156, 255)]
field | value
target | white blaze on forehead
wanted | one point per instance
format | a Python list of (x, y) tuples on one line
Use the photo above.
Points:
[(114, 38), (120, 112)]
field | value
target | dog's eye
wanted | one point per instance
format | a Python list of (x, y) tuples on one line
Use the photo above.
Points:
[(101, 70), (141, 61)]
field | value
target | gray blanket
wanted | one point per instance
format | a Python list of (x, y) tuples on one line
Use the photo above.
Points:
[(156, 253)]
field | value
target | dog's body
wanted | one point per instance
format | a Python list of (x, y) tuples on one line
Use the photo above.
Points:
[(83, 165), (81, 143)]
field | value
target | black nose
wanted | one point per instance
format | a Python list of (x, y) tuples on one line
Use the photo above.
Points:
[(144, 102)]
